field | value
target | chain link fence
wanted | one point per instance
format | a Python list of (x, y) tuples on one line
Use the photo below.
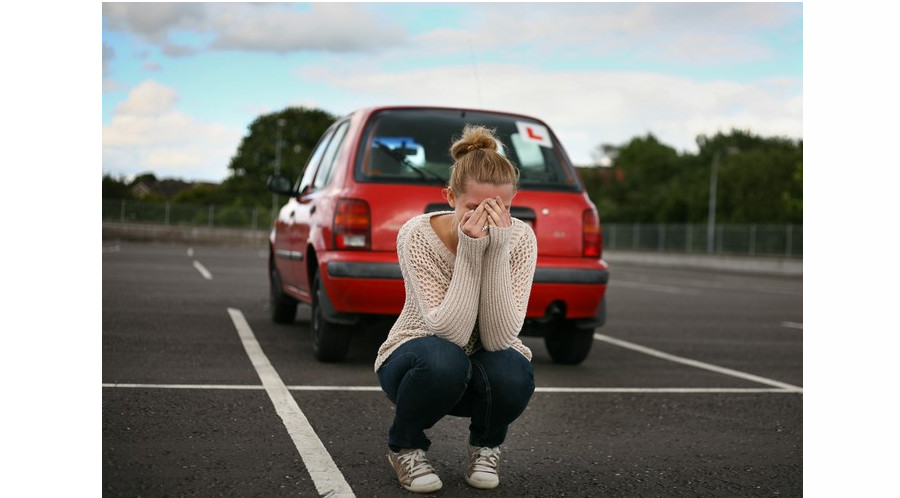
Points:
[(211, 216), (750, 240)]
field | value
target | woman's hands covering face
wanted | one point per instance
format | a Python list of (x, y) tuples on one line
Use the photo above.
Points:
[(491, 212)]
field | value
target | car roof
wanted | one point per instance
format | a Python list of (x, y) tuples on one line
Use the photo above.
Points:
[(368, 111)]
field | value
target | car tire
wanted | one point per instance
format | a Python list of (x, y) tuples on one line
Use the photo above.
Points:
[(330, 341), (283, 307), (567, 343)]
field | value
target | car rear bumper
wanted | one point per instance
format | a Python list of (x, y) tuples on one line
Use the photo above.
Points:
[(371, 283)]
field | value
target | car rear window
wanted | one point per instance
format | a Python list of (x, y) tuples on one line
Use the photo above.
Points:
[(413, 146)]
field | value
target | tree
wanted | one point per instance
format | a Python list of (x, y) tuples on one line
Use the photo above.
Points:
[(116, 188), (762, 183), (203, 194), (643, 186), (148, 178), (649, 182), (255, 159)]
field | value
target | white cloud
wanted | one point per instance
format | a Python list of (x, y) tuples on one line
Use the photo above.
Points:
[(270, 27), (154, 21), (692, 33), (108, 55), (149, 133), (588, 108), (333, 27), (673, 32)]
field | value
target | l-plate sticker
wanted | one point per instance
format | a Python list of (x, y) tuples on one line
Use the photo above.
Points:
[(534, 133)]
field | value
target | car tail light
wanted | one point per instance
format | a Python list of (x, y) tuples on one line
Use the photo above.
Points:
[(591, 235), (352, 225)]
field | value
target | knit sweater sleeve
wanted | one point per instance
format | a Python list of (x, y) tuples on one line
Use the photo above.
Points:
[(447, 310), (507, 275)]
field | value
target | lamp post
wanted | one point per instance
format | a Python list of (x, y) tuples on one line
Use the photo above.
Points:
[(277, 161), (713, 184)]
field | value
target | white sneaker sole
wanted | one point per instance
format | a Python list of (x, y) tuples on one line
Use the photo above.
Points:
[(429, 488), (482, 484), (424, 489)]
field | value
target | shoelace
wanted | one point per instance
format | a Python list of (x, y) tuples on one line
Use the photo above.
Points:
[(486, 460), (415, 463)]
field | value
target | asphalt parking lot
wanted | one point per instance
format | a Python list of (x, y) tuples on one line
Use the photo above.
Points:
[(693, 388)]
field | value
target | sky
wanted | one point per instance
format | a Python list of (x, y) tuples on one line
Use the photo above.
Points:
[(182, 82)]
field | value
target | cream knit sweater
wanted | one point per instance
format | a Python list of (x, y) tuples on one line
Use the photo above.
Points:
[(474, 299)]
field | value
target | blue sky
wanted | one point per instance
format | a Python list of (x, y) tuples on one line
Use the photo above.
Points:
[(182, 81)]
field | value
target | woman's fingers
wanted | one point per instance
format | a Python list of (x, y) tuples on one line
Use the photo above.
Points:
[(490, 212), (498, 214), (474, 221), (483, 218)]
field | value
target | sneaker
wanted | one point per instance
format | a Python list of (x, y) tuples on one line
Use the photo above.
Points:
[(484, 467), (414, 472)]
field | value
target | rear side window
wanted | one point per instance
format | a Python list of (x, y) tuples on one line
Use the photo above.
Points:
[(314, 159), (326, 169), (413, 146)]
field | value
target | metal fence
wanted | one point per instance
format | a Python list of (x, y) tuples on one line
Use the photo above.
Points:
[(749, 240), (252, 218)]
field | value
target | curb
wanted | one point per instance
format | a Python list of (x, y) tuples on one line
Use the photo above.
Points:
[(791, 267)]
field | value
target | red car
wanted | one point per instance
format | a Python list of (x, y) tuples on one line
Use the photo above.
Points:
[(333, 245)]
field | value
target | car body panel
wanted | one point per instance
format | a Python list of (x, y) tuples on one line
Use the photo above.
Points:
[(360, 282)]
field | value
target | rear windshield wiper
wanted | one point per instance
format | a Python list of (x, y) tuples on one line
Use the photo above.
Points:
[(401, 159)]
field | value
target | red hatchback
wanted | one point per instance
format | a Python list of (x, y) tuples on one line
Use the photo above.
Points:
[(333, 245)]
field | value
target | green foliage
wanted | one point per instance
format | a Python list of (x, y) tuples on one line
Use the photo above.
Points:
[(202, 194), (148, 178), (762, 182), (116, 188), (298, 129), (256, 158)]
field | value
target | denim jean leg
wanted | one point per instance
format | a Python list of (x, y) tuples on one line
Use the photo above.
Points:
[(501, 386), (424, 378)]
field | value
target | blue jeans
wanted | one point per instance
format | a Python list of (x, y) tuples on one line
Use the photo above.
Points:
[(429, 377)]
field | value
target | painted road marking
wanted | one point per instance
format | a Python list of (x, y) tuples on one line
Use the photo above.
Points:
[(698, 364), (792, 325), (694, 287), (321, 467), (778, 387), (551, 390), (668, 289), (202, 269)]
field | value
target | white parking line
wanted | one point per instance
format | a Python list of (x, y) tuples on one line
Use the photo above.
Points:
[(698, 364), (321, 467), (202, 269), (551, 390), (127, 385), (792, 325), (668, 289)]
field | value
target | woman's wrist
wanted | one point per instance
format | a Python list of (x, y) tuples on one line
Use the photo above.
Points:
[(500, 237)]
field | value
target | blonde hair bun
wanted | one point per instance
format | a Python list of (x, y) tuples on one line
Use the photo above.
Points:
[(473, 138), (484, 165)]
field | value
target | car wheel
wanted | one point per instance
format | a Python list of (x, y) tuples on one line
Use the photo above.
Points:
[(284, 307), (567, 343), (330, 340)]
